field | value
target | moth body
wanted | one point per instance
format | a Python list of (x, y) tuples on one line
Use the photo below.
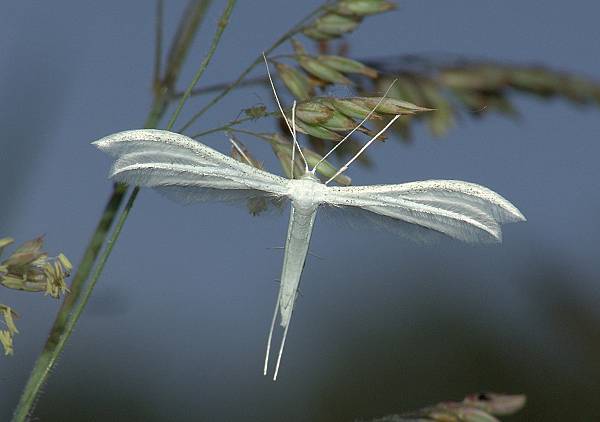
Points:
[(296, 248), (188, 171), (307, 191)]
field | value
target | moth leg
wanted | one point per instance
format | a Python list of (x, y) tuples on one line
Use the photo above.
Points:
[(271, 336), (281, 350)]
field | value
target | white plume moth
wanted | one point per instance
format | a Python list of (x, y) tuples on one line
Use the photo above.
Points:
[(189, 171)]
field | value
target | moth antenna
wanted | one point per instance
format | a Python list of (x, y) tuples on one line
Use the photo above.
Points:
[(281, 351), (356, 128), (365, 146), (292, 131), (295, 141), (275, 95), (270, 337)]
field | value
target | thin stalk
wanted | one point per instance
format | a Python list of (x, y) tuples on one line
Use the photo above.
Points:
[(223, 22), (64, 321), (264, 136), (233, 123), (158, 35), (295, 29), (258, 80), (72, 306), (193, 15)]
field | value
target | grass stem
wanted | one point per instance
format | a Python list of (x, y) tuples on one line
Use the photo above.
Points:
[(232, 124), (80, 292)]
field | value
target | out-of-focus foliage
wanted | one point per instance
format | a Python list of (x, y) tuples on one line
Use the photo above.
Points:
[(6, 335), (330, 118), (192, 17), (448, 89), (461, 86), (344, 16), (483, 407), (29, 269)]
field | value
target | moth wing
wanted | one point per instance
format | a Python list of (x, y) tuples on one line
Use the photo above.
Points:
[(423, 210), (185, 170)]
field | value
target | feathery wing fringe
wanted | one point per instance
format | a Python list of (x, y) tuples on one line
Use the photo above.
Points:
[(461, 210), (183, 169)]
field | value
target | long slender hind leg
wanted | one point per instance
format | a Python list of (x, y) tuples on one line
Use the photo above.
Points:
[(271, 336), (281, 351)]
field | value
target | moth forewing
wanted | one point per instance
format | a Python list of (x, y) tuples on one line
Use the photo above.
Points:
[(165, 160), (451, 192), (461, 210)]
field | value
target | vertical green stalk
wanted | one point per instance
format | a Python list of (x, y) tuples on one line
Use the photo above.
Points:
[(75, 302), (223, 22), (65, 319), (158, 37), (192, 18)]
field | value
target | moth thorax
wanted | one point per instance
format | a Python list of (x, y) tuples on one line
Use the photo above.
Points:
[(306, 192)]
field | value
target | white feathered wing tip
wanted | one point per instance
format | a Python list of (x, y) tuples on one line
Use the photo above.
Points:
[(461, 210), (185, 170)]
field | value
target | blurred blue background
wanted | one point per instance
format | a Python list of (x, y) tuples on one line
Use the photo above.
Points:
[(177, 326)]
